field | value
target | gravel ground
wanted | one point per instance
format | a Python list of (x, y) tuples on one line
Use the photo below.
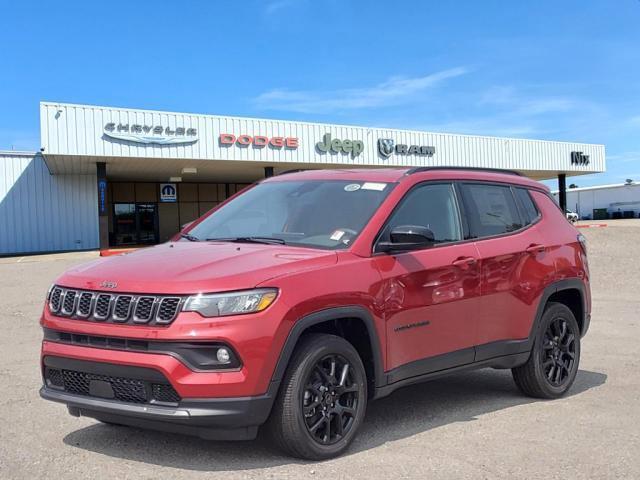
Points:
[(473, 425)]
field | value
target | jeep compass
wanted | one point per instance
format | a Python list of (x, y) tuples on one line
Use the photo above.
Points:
[(302, 298)]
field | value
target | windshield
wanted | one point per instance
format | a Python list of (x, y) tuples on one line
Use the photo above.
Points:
[(324, 214)]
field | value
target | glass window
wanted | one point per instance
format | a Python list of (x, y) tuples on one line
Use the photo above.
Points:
[(527, 207), (491, 210), (325, 214), (432, 206)]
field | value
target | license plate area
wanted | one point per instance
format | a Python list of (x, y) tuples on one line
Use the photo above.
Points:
[(100, 388)]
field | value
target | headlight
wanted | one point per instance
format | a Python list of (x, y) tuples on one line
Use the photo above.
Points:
[(232, 303)]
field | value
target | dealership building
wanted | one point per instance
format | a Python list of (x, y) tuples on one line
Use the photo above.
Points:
[(620, 200), (114, 177)]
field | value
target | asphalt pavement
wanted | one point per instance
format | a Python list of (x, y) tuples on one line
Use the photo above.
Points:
[(472, 425)]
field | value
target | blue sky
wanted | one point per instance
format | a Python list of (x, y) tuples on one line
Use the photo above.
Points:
[(565, 70)]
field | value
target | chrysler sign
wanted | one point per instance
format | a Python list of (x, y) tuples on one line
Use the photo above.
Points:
[(387, 146), (150, 134)]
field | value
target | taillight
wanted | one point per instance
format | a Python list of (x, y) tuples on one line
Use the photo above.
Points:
[(583, 242)]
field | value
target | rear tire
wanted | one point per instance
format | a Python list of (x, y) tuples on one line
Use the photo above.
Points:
[(555, 356), (322, 399)]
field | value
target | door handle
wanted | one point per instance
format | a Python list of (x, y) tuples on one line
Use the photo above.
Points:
[(464, 262), (535, 248)]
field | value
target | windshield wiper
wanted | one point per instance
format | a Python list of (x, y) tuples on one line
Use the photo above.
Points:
[(265, 240), (189, 237)]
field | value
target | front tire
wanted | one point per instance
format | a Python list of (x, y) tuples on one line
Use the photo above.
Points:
[(322, 399), (553, 363)]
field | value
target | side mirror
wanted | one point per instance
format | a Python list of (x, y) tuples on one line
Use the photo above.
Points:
[(407, 237)]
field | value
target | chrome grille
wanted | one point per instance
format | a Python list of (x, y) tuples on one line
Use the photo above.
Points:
[(69, 302), (103, 303), (122, 308), (55, 299), (116, 308), (144, 309), (84, 304), (168, 309)]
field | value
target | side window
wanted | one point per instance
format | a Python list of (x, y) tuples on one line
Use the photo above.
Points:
[(491, 210), (433, 206), (527, 207)]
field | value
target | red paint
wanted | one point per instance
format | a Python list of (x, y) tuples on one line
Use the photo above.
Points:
[(471, 293)]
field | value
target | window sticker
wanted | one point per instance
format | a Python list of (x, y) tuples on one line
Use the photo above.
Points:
[(352, 187), (373, 186), (337, 235)]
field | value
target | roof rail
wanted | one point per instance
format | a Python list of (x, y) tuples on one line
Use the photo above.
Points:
[(472, 169), (294, 170)]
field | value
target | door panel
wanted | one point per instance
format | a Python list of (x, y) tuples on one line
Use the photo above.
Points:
[(431, 304), (512, 283), (515, 265), (431, 296)]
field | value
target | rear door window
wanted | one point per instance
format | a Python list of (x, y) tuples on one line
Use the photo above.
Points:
[(527, 208), (491, 210)]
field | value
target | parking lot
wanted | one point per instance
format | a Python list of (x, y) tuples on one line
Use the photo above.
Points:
[(474, 425)]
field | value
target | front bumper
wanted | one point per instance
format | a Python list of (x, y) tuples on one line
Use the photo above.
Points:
[(231, 418)]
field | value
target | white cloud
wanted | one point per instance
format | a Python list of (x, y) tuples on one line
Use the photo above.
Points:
[(632, 156), (494, 127), (391, 92), (510, 98)]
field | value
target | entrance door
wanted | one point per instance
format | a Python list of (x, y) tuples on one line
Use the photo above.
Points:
[(135, 223), (147, 214)]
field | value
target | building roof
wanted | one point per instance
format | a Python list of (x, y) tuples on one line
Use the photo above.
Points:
[(599, 187)]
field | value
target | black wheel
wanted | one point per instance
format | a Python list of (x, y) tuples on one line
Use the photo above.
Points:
[(553, 363), (322, 399)]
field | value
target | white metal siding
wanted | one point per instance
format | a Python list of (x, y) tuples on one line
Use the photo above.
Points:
[(78, 130), (40, 212), (613, 198)]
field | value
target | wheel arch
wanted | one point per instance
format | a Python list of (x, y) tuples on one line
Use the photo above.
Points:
[(570, 292), (325, 321)]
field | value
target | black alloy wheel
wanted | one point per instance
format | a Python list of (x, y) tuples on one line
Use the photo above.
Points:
[(553, 363), (322, 398), (330, 399), (559, 351)]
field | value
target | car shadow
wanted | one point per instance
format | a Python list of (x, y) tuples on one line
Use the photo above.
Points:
[(408, 411)]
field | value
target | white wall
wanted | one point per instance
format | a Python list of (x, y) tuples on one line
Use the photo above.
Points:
[(614, 198), (79, 131), (40, 212)]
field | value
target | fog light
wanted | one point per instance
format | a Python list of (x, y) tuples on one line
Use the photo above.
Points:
[(223, 355)]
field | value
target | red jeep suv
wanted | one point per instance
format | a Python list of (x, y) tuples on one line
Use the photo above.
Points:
[(308, 294)]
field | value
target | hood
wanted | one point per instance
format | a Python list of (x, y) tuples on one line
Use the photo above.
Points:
[(192, 267)]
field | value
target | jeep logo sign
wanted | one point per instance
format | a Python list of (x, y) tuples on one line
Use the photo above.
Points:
[(579, 158), (354, 147)]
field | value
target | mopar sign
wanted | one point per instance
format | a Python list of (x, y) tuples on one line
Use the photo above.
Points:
[(168, 192)]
